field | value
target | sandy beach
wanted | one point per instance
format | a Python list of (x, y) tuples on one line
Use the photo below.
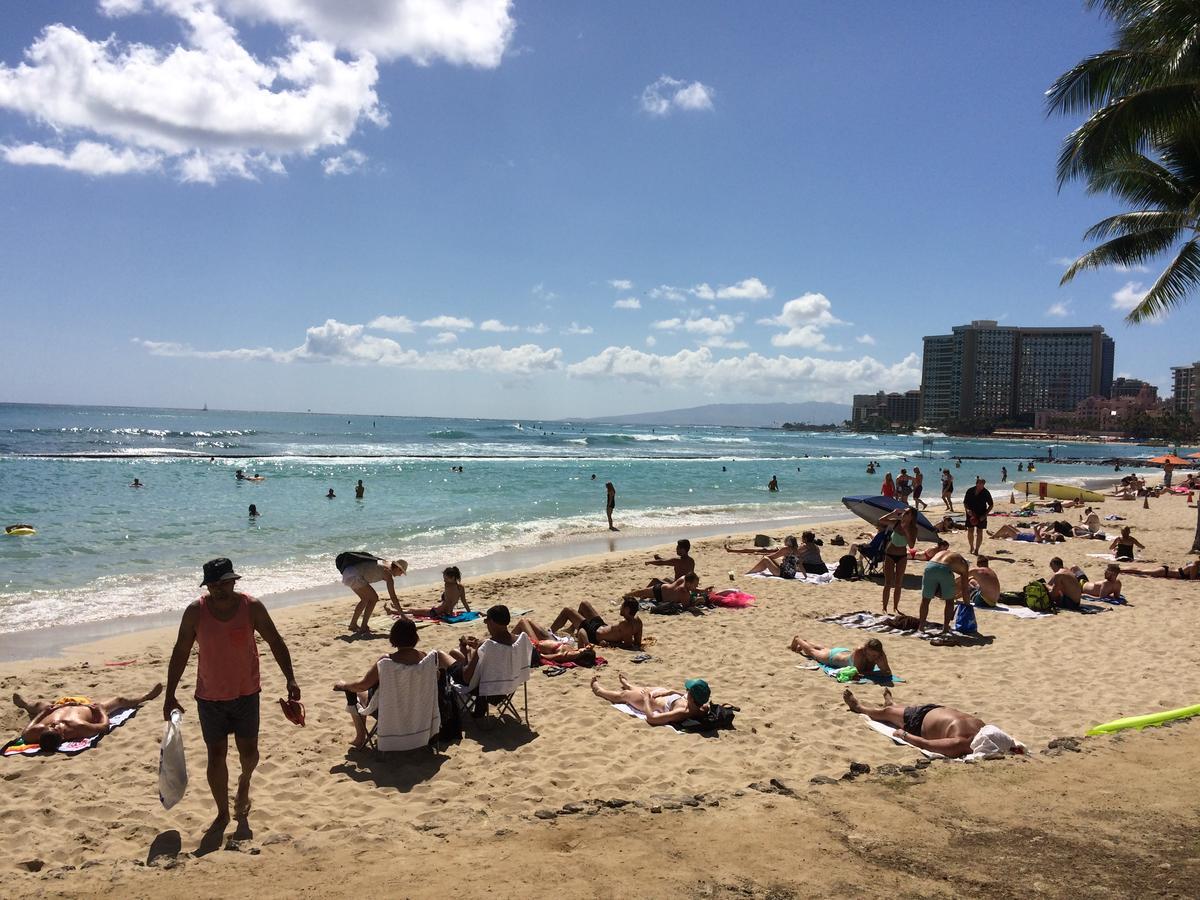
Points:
[(626, 809)]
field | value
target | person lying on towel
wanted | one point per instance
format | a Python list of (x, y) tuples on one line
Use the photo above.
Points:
[(938, 729), (554, 648), (685, 591), (865, 658), (590, 628), (660, 705), (52, 723)]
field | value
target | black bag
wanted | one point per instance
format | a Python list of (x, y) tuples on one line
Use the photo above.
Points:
[(451, 730), (353, 558), (718, 718), (847, 568)]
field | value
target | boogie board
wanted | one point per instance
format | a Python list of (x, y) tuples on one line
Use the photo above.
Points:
[(1044, 490)]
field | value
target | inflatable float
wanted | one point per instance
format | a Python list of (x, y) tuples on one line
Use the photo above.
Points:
[(1045, 490), (1140, 722)]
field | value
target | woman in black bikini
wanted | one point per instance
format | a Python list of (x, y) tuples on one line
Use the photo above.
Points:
[(1122, 546), (781, 563), (1187, 572)]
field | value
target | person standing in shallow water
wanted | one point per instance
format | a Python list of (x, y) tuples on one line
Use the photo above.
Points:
[(359, 490), (223, 624), (610, 504)]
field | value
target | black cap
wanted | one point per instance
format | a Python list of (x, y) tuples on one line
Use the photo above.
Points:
[(219, 569)]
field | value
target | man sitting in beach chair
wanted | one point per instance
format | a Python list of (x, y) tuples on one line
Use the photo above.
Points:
[(489, 673), (590, 627), (52, 723), (938, 729), (872, 553)]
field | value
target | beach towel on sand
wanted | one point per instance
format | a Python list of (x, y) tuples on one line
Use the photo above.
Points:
[(549, 663), (888, 731), (869, 621), (1020, 612), (18, 747), (801, 577), (1115, 601), (990, 741), (638, 714), (871, 678), (449, 620)]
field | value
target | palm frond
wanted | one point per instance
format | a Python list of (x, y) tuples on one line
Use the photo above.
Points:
[(1098, 80), (1141, 182), (1127, 250), (1178, 280), (1135, 223)]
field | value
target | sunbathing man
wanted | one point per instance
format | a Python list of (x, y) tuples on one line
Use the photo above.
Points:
[(661, 706), (685, 591), (1066, 585), (866, 659), (984, 583), (551, 647), (1189, 571), (1109, 587), (938, 729), (681, 562), (1040, 533), (73, 718), (929, 552), (590, 628), (938, 581)]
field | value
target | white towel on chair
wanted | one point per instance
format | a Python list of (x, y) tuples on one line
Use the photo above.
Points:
[(406, 703)]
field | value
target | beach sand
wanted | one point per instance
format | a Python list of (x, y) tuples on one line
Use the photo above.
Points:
[(701, 816)]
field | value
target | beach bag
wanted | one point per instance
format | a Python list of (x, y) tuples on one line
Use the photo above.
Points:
[(847, 568), (172, 768), (719, 717), (964, 619), (762, 540), (1037, 597), (353, 558), (451, 730)]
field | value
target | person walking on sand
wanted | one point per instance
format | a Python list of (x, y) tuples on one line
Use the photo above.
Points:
[(223, 624), (610, 504), (978, 503)]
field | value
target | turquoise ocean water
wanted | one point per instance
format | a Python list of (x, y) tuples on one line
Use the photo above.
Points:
[(106, 551)]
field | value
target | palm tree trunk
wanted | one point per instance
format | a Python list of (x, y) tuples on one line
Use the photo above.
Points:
[(1196, 537)]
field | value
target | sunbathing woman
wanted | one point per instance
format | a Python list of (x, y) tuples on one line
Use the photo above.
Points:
[(453, 594), (553, 647), (1039, 534), (661, 706), (73, 718), (1187, 572), (781, 563), (866, 659)]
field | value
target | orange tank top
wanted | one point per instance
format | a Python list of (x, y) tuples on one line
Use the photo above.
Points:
[(228, 666)]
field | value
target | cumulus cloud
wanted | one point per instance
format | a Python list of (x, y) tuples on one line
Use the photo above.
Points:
[(397, 324), (88, 157), (495, 325), (651, 340), (343, 163), (667, 94), (866, 339), (1057, 310), (628, 303), (622, 284), (667, 292), (747, 289), (539, 328), (444, 337), (820, 379), (805, 319), (449, 323), (723, 342), (339, 343), (576, 328), (1129, 296), (705, 325)]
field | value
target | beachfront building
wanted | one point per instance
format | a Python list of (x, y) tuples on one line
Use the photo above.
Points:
[(1131, 387), (985, 371), (893, 409), (1187, 390)]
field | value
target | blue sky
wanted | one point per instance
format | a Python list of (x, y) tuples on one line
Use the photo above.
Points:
[(282, 204)]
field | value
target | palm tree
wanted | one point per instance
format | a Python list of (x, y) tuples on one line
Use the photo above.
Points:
[(1140, 143)]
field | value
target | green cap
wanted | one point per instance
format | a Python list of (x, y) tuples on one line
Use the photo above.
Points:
[(698, 688)]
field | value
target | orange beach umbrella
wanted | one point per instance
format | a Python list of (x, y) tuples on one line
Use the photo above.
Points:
[(1173, 460)]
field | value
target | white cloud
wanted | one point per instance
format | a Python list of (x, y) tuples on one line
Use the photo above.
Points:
[(449, 323), (397, 324), (866, 339), (722, 325), (207, 106), (470, 32), (88, 157), (496, 325), (666, 292), (543, 293), (1135, 268), (342, 344), (807, 337), (746, 289), (539, 328), (1129, 296), (622, 284), (820, 379), (343, 163), (804, 317), (576, 328), (1064, 261), (703, 291), (719, 341), (666, 94), (444, 337), (628, 303), (651, 340), (1058, 310)]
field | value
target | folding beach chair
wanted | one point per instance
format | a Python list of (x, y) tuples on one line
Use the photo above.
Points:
[(499, 673), (405, 706), (872, 553)]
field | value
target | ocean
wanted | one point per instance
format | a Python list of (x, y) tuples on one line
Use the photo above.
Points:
[(106, 551)]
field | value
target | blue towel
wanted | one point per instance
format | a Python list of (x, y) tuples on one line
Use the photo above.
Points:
[(462, 617), (877, 677), (1115, 601)]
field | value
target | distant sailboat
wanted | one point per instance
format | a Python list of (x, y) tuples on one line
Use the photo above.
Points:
[(205, 408)]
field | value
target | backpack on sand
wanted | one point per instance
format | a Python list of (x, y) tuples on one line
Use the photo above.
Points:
[(353, 558), (1037, 597), (847, 568), (719, 717)]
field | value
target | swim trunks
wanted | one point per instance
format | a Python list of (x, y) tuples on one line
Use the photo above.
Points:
[(1025, 536), (937, 581), (591, 626), (657, 592), (221, 718), (914, 717), (70, 701)]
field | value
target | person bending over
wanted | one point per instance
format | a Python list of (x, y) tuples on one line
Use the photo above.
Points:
[(590, 628), (54, 722), (682, 562), (938, 729), (866, 659), (360, 577), (453, 594), (403, 637), (938, 580), (660, 705)]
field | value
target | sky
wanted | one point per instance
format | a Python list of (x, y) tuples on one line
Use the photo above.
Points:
[(544, 210)]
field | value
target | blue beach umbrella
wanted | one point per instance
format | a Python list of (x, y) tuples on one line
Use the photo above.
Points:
[(875, 508)]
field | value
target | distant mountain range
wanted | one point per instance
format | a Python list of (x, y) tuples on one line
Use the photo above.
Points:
[(753, 415)]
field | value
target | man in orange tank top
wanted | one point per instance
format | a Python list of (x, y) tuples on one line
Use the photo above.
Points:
[(223, 623)]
